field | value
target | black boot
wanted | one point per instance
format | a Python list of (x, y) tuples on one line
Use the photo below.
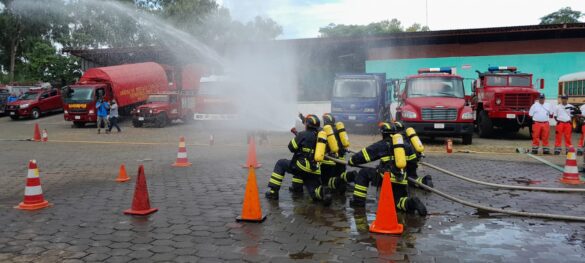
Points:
[(272, 194), (545, 151), (428, 181), (414, 204), (534, 150), (326, 196), (357, 203), (557, 151), (296, 189), (579, 152)]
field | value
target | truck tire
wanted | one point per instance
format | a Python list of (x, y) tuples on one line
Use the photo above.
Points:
[(161, 120), (35, 113), (485, 127), (467, 139), (137, 123), (78, 124)]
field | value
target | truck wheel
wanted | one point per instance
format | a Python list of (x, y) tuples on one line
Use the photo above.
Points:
[(137, 123), (161, 120), (78, 124), (467, 139), (485, 127), (36, 113)]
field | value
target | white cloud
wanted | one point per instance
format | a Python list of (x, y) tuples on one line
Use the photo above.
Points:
[(303, 18)]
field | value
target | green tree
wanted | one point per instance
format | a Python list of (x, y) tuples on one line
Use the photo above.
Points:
[(372, 29), (44, 63), (562, 16)]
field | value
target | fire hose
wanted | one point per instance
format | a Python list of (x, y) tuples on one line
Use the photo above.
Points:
[(477, 206), (504, 186)]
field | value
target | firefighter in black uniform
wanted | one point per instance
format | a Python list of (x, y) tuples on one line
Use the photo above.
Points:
[(302, 164), (384, 151), (333, 172), (412, 159)]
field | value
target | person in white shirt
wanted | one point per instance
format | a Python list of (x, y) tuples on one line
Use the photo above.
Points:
[(580, 147), (564, 116), (540, 112)]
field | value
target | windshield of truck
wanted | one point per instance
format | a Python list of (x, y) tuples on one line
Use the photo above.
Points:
[(508, 81), (78, 95), (158, 98), (435, 87), (29, 96), (354, 88)]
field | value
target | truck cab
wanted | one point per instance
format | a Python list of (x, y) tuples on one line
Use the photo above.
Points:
[(35, 102), (433, 102), (80, 102), (162, 108), (214, 100), (361, 100), (502, 97)]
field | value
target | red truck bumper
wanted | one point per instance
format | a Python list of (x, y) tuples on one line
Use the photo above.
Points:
[(80, 117), (512, 115)]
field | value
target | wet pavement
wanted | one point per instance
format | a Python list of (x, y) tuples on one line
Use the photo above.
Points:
[(198, 205)]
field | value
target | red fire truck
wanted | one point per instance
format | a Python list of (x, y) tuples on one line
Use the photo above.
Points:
[(501, 98), (434, 104), (129, 84)]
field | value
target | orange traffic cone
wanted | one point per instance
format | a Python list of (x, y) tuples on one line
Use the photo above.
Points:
[(33, 193), (251, 209), (571, 172), (386, 220), (141, 201), (252, 161), (37, 135), (182, 160), (44, 136), (122, 175)]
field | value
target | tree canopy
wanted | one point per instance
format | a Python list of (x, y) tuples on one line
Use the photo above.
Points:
[(562, 16), (372, 29)]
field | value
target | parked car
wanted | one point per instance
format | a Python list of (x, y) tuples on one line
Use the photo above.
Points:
[(35, 102)]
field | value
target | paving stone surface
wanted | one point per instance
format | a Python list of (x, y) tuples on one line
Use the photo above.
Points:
[(198, 205)]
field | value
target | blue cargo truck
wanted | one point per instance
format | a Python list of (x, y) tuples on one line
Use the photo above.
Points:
[(361, 100)]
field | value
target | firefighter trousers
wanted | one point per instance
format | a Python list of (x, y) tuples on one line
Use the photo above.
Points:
[(540, 133), (312, 182), (331, 176), (563, 131), (370, 176)]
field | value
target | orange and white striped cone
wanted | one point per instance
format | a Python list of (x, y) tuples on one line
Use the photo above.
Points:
[(182, 160), (33, 193), (44, 136), (571, 172)]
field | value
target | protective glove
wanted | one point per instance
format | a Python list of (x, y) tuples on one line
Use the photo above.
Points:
[(294, 130)]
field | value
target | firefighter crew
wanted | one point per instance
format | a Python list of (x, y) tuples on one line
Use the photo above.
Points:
[(388, 152), (581, 116), (540, 112), (563, 115), (302, 164), (412, 157)]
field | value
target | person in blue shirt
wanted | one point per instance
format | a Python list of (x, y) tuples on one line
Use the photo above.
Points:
[(12, 98), (102, 107)]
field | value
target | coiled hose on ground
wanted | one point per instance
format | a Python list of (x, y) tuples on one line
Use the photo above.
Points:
[(481, 207)]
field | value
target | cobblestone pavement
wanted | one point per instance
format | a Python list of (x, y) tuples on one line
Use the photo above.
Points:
[(198, 205)]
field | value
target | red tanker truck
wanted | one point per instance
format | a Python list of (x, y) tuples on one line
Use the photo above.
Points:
[(128, 84)]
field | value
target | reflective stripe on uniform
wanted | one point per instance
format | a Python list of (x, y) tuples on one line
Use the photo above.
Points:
[(307, 168), (393, 180), (411, 157), (277, 176), (307, 150), (294, 144), (327, 162), (344, 176), (361, 188), (318, 192), (402, 203), (297, 180), (385, 158), (276, 182), (359, 193), (420, 180), (366, 155)]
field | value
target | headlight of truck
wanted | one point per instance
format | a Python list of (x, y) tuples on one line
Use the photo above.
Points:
[(138, 111), (150, 111), (66, 112), (409, 115), (24, 106), (91, 112), (498, 101), (369, 110), (467, 116)]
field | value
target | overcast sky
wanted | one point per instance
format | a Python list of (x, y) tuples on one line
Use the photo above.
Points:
[(303, 18)]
